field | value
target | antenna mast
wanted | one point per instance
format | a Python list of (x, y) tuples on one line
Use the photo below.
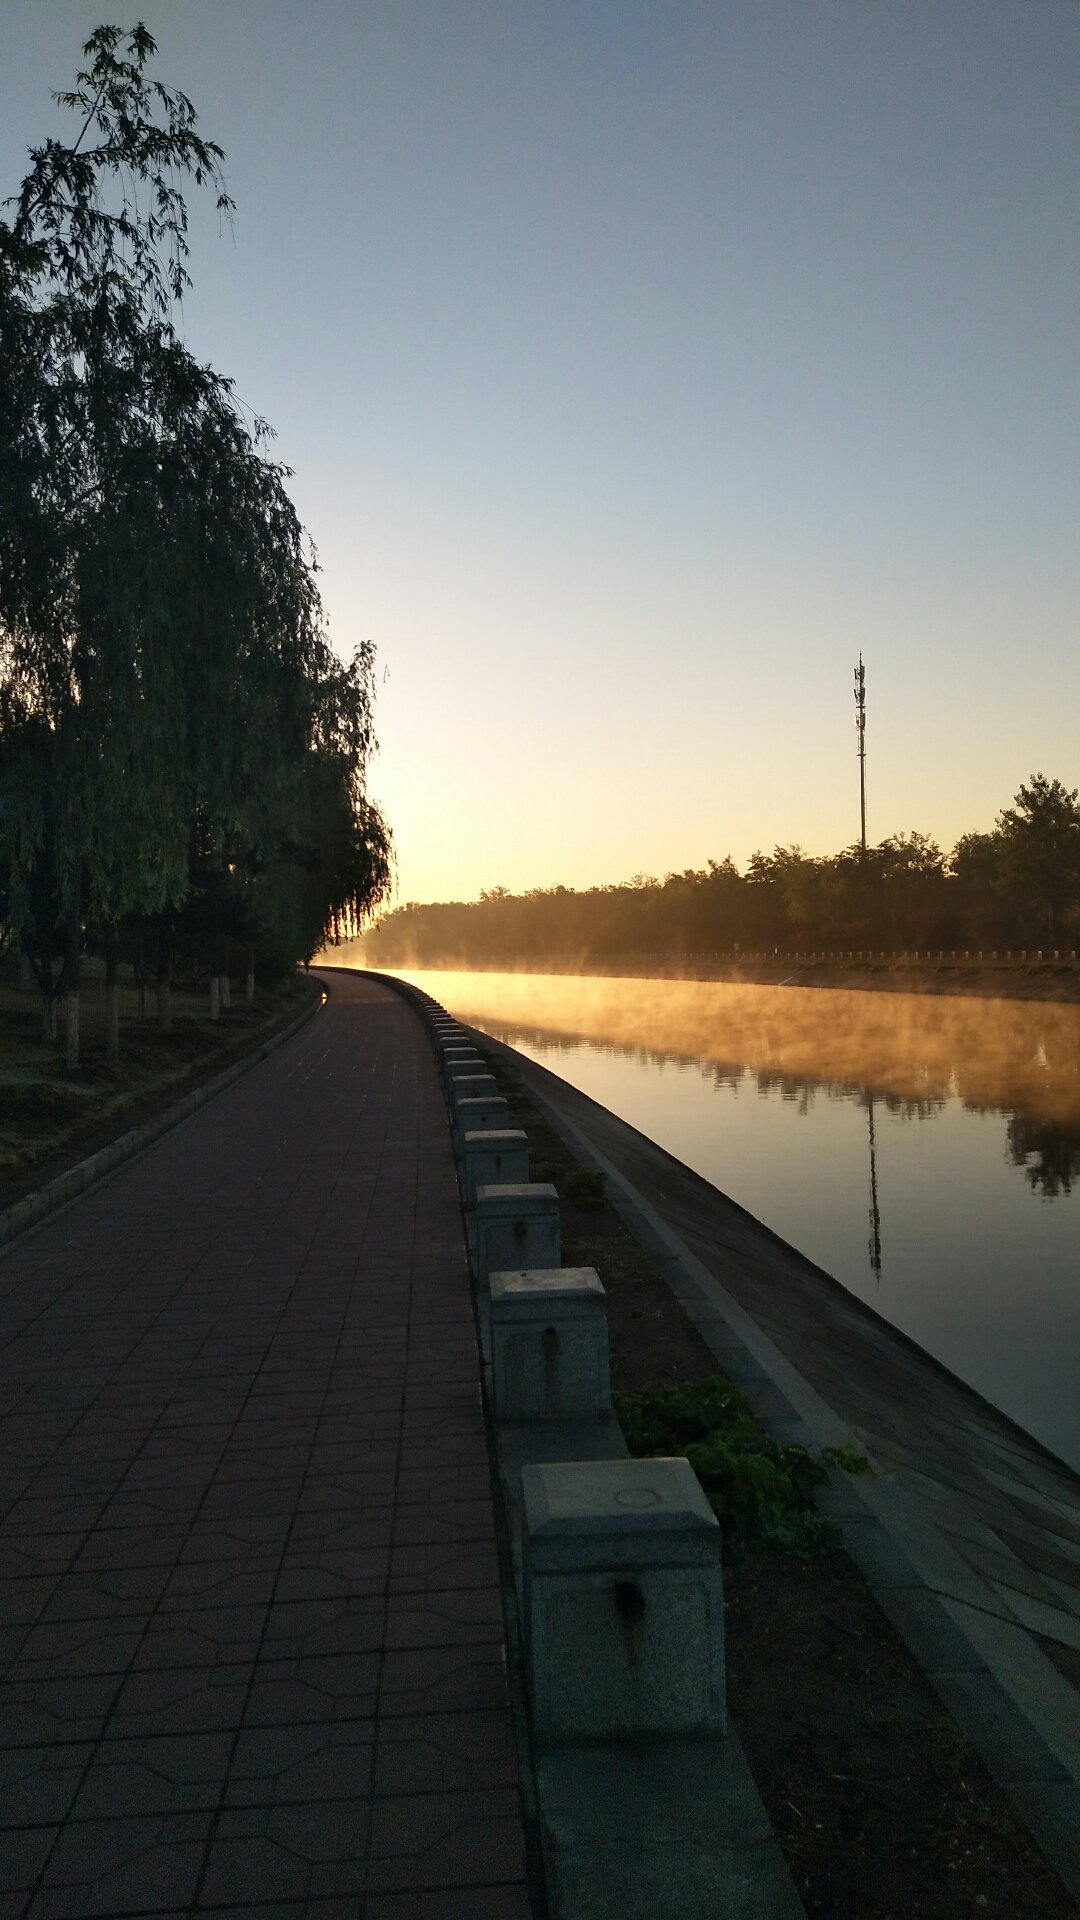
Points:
[(860, 728)]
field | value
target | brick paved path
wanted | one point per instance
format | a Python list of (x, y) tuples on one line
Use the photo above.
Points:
[(250, 1618)]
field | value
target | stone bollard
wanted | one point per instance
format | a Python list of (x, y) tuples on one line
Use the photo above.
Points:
[(451, 1057), (549, 1345), (624, 1602), (516, 1227), (494, 1159), (454, 1043), (474, 1114), (462, 1083)]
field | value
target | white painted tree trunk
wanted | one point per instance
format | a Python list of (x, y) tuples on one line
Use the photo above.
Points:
[(71, 1035), (215, 996), (226, 991), (249, 989)]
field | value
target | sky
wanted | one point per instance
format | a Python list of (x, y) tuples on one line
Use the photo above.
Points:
[(641, 363)]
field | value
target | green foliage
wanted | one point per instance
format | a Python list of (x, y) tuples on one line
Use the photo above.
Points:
[(180, 742), (1039, 861), (754, 1484), (850, 1458)]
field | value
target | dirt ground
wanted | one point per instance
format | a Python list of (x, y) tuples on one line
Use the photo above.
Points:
[(883, 1811)]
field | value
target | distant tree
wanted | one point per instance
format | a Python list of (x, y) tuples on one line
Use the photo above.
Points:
[(772, 882), (912, 906), (1040, 853), (976, 892)]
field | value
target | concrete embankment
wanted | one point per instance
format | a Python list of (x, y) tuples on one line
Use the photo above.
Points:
[(970, 1540), (956, 975)]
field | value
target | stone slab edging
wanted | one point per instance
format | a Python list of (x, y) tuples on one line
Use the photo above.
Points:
[(34, 1207), (1018, 1712), (629, 1829)]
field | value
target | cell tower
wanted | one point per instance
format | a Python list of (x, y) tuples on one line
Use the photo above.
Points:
[(860, 729)]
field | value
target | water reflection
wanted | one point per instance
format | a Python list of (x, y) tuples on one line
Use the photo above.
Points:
[(1047, 1150), (910, 1053), (923, 1151), (875, 1210)]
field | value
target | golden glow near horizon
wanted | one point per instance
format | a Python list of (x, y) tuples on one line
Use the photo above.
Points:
[(573, 777)]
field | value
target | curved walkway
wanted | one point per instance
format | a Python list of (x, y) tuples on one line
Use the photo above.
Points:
[(250, 1614)]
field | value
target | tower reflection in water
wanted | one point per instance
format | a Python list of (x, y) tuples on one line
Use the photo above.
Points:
[(823, 1111)]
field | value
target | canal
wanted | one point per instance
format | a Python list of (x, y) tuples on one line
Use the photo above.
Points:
[(924, 1150)]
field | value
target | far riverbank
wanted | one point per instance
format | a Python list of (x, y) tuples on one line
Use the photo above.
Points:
[(1009, 977)]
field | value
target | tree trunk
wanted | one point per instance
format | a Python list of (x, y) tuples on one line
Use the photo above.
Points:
[(249, 993), (164, 974), (70, 974), (71, 1030), (26, 971), (112, 993), (139, 957), (226, 991), (219, 978)]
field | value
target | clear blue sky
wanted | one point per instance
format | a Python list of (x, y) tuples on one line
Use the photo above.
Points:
[(640, 362)]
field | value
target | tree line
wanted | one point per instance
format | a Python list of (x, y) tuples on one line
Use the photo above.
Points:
[(182, 753), (1017, 886)]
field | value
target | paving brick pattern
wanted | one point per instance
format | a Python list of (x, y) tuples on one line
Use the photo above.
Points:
[(250, 1620)]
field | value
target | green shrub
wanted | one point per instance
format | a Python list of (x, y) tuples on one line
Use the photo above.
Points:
[(755, 1485)]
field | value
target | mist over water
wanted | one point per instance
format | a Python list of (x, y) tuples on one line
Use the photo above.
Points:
[(925, 1151)]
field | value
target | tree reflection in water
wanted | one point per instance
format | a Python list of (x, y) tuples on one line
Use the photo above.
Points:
[(906, 1055), (1047, 1150), (1045, 1147)]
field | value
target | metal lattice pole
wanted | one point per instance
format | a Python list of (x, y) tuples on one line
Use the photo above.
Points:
[(860, 728)]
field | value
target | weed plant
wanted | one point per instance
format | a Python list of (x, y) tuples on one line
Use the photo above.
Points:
[(755, 1485)]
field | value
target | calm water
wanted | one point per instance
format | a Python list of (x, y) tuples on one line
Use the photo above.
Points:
[(925, 1151)]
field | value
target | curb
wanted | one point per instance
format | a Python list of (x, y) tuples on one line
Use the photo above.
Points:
[(64, 1187)]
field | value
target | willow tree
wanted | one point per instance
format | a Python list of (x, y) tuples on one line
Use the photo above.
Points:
[(165, 661), (88, 282)]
